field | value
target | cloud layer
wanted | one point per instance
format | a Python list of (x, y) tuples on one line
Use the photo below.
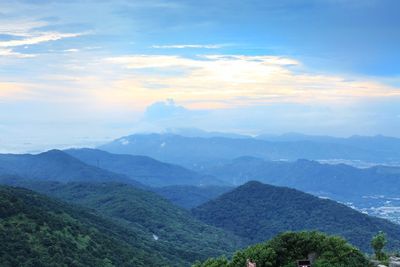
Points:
[(226, 81)]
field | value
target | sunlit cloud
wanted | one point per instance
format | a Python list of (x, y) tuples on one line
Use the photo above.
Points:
[(235, 80), (14, 91)]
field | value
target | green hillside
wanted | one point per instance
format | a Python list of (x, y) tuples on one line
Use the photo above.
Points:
[(177, 232), (38, 231), (258, 212), (188, 197)]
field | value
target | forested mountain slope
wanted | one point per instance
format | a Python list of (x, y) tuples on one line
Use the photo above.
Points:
[(258, 211)]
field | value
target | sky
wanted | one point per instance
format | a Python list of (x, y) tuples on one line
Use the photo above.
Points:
[(79, 73)]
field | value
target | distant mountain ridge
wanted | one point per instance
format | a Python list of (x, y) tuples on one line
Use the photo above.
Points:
[(144, 169), (196, 152), (55, 165), (324, 179), (377, 142), (258, 211)]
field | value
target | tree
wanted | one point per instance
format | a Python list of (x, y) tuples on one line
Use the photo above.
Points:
[(378, 242), (284, 249), (213, 262)]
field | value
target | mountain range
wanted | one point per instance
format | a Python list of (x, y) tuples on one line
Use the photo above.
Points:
[(199, 152), (192, 212), (337, 181)]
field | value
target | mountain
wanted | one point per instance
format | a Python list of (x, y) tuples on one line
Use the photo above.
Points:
[(195, 132), (144, 212), (39, 231), (190, 196), (258, 212), (141, 168), (334, 181), (55, 165), (197, 152), (384, 144), (293, 137)]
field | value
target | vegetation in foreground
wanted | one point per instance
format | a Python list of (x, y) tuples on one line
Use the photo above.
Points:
[(38, 231), (153, 231), (285, 249)]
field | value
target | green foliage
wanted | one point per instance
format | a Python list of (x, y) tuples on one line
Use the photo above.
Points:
[(378, 242), (258, 212), (182, 238), (213, 262), (286, 248), (38, 231), (188, 197)]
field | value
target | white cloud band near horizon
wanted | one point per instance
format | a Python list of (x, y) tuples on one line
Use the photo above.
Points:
[(212, 81), (238, 93)]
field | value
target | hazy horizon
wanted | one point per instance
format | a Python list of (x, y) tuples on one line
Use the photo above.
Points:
[(33, 148)]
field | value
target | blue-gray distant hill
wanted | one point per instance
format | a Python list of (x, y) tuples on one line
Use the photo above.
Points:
[(339, 181), (56, 165), (197, 152), (258, 212), (144, 169), (383, 144)]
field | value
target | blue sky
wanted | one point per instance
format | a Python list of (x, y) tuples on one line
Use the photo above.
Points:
[(82, 72)]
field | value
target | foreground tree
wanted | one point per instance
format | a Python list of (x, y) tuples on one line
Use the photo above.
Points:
[(286, 248), (378, 242)]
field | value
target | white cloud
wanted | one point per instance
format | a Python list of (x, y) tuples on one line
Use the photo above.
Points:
[(162, 110), (11, 53), (214, 81), (182, 46), (71, 50), (23, 33), (20, 28), (39, 38)]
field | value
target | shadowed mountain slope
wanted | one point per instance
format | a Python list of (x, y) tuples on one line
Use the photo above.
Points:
[(258, 211), (55, 165), (141, 168)]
